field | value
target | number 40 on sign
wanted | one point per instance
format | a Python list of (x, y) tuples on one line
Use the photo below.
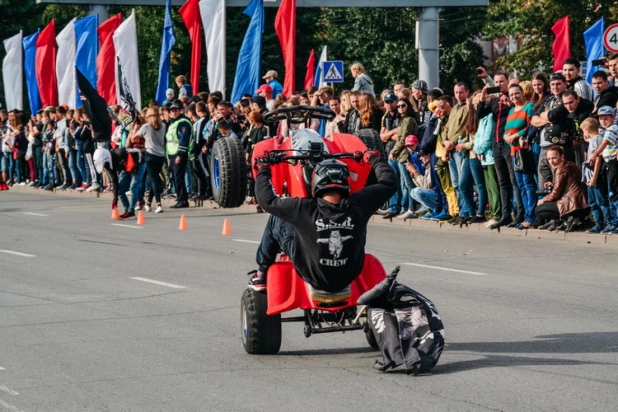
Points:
[(610, 38)]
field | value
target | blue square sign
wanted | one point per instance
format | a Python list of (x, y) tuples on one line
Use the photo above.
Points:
[(333, 71)]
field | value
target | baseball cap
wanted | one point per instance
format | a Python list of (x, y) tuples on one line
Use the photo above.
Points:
[(270, 73), (411, 139), (606, 110), (169, 91), (390, 98), (265, 89), (420, 85), (175, 107), (557, 76), (259, 100)]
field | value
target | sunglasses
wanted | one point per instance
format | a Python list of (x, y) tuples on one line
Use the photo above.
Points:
[(401, 106)]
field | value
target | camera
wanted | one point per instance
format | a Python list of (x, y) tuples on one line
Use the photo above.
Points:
[(544, 191)]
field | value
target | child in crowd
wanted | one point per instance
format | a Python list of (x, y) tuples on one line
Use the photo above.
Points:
[(595, 177)]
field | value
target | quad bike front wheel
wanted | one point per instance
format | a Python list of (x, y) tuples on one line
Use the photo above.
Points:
[(261, 333), (228, 173)]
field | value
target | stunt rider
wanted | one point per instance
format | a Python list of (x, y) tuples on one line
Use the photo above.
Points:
[(323, 235)]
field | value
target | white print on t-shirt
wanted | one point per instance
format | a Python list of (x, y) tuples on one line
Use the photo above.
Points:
[(335, 247), (320, 225)]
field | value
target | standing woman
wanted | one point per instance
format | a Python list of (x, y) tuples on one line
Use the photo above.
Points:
[(362, 82), (346, 104), (407, 127), (370, 113), (153, 131), (516, 130), (541, 93)]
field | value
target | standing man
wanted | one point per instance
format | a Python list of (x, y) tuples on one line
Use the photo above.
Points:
[(606, 95), (178, 136), (498, 106), (267, 93), (271, 80), (352, 118), (454, 134), (419, 94), (388, 135), (551, 132), (571, 68)]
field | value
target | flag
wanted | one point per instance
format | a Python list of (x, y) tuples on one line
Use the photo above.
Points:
[(29, 43), (128, 87), (46, 65), (593, 38), (190, 13), (285, 26), (163, 81), (247, 78), (96, 108), (562, 44), (87, 47), (310, 71), (319, 72), (213, 20), (106, 60), (65, 65), (13, 73)]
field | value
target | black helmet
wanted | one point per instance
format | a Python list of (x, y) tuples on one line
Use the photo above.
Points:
[(328, 175)]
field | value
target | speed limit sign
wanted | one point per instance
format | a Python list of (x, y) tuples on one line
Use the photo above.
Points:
[(610, 38)]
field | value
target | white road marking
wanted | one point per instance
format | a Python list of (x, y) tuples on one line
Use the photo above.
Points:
[(246, 241), (11, 252), (8, 390), (35, 214), (2, 369), (129, 226), (156, 282), (7, 406), (467, 272)]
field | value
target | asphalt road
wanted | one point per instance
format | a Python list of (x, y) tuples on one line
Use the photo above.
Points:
[(530, 324)]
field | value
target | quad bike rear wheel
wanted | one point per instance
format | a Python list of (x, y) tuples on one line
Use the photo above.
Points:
[(228, 173), (261, 333), (369, 335)]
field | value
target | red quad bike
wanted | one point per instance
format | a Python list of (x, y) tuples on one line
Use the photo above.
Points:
[(292, 161)]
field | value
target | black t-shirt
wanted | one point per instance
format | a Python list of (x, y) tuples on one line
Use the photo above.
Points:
[(330, 239)]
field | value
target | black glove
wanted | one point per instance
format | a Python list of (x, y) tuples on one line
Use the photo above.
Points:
[(369, 154)]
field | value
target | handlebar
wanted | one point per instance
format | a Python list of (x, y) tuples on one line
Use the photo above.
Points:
[(278, 156), (299, 114)]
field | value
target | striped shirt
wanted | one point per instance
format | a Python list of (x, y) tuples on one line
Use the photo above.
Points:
[(610, 135), (518, 121)]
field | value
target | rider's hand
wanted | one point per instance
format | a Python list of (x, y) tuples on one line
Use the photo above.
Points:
[(369, 154)]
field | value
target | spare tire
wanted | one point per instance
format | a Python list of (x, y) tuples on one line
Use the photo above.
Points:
[(371, 138), (228, 173)]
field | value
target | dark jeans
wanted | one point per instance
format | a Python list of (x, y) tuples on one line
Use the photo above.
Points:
[(38, 161), (199, 172), (154, 164), (179, 171), (278, 237), (549, 211), (507, 182)]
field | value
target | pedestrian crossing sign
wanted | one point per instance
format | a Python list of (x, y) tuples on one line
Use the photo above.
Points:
[(333, 71)]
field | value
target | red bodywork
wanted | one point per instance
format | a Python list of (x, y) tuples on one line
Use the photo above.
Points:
[(286, 291)]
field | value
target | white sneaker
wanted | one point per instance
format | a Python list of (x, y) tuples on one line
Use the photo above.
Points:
[(407, 215), (147, 208), (22, 184), (490, 222), (159, 209), (94, 187), (138, 206)]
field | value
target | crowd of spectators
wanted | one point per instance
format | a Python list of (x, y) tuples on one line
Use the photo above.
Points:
[(539, 153)]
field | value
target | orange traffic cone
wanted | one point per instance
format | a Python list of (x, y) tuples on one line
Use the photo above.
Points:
[(140, 218), (183, 223), (227, 230), (115, 214)]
